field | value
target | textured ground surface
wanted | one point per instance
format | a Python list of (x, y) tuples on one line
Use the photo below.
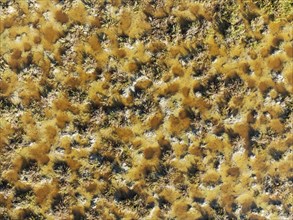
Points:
[(146, 109)]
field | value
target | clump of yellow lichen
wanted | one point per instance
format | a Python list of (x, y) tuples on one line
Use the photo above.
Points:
[(146, 109)]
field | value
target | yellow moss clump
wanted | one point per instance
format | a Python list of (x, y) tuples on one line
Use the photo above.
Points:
[(176, 125), (155, 120), (37, 39), (96, 92), (143, 84), (274, 62), (62, 103), (125, 134), (277, 126), (180, 210), (61, 16), (95, 21), (78, 13), (94, 43), (8, 83), (50, 131), (233, 171), (289, 49), (38, 152), (30, 92), (170, 194), (6, 130), (150, 152), (133, 24), (62, 118), (245, 200), (211, 177), (171, 89), (30, 128), (177, 70), (214, 143), (45, 192), (179, 149), (4, 88), (50, 33), (242, 129)]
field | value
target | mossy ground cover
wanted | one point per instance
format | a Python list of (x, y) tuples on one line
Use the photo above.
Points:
[(125, 109)]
